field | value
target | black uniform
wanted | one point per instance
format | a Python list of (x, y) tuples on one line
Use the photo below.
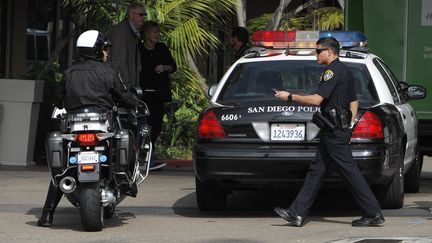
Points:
[(338, 90), (95, 84)]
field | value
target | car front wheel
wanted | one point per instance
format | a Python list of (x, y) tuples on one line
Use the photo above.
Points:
[(210, 196)]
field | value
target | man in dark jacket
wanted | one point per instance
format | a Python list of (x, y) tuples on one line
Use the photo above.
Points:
[(240, 42), (125, 37), (92, 83)]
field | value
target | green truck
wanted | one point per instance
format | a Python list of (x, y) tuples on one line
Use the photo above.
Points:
[(400, 32)]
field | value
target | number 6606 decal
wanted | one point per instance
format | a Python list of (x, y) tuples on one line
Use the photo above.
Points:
[(230, 117)]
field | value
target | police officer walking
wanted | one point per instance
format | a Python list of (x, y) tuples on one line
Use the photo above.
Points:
[(337, 99)]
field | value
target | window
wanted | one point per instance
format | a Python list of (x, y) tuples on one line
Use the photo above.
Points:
[(256, 80), (41, 16), (389, 78)]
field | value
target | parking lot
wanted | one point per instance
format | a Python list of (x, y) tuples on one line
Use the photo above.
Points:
[(165, 211)]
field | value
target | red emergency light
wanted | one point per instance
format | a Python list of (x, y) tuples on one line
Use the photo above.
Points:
[(275, 39)]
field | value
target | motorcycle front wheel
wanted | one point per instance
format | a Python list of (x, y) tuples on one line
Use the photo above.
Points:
[(90, 207)]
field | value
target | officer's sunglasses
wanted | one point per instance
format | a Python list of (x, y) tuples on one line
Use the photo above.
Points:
[(319, 50)]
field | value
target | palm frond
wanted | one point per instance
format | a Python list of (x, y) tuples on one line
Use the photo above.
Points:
[(329, 18)]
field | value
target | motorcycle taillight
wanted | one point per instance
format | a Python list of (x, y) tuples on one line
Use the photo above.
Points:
[(87, 139)]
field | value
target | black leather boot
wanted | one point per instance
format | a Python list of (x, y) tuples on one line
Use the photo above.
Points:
[(53, 198)]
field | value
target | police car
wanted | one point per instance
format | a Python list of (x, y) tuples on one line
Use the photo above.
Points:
[(249, 139)]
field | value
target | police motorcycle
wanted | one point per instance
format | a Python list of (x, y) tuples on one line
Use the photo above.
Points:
[(95, 160)]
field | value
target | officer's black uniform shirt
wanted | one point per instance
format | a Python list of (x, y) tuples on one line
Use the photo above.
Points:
[(92, 83), (337, 86)]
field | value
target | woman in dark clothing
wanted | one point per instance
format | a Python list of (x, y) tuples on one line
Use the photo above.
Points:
[(157, 64)]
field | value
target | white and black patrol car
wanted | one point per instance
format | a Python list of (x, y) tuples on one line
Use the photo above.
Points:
[(249, 139)]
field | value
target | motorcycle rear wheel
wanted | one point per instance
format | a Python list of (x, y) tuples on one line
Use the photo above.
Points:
[(90, 207)]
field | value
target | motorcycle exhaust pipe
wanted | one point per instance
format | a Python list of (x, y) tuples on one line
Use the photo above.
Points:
[(67, 184)]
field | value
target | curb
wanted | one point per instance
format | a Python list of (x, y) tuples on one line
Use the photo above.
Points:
[(177, 162)]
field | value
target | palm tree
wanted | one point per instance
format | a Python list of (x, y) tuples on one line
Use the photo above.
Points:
[(185, 27), (328, 18)]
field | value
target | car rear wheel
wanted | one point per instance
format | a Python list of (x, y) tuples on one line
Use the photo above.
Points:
[(412, 177), (210, 196), (392, 196)]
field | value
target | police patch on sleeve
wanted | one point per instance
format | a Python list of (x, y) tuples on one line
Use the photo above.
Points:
[(328, 75)]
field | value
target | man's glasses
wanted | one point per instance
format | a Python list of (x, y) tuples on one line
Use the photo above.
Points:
[(319, 50), (140, 14)]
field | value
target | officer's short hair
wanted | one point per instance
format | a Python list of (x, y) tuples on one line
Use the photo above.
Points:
[(331, 43), (241, 33)]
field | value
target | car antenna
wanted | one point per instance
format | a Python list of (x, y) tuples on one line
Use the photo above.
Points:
[(287, 50)]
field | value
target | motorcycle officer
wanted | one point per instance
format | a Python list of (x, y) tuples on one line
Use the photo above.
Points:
[(91, 84)]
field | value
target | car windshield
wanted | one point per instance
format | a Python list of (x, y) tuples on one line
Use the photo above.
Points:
[(256, 80)]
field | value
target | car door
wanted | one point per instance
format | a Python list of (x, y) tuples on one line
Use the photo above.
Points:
[(407, 112)]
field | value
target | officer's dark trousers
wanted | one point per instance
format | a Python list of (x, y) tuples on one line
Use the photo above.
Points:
[(334, 148)]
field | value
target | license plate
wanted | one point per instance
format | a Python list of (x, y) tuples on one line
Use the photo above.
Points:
[(287, 132), (88, 157)]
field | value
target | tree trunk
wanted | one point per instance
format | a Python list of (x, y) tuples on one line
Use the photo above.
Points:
[(241, 13), (342, 4), (274, 22), (193, 66)]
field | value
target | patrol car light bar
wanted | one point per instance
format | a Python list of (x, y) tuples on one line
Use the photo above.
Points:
[(306, 39)]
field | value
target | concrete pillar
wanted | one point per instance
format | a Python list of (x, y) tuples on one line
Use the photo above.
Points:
[(19, 102)]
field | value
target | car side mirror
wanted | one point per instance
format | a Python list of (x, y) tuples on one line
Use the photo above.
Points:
[(415, 92), (212, 90)]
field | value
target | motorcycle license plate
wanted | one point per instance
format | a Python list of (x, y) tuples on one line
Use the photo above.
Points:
[(287, 132), (88, 157)]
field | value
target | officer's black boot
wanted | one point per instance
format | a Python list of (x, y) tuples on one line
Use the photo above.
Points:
[(53, 198)]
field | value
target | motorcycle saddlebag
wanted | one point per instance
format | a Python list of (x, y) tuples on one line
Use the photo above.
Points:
[(54, 152), (125, 151)]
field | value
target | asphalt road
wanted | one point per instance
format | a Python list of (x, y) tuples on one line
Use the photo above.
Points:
[(165, 211)]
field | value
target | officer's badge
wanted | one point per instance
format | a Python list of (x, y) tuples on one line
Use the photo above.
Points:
[(328, 75)]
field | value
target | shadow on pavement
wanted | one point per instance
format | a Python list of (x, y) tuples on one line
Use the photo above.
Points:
[(261, 204), (329, 203), (69, 218)]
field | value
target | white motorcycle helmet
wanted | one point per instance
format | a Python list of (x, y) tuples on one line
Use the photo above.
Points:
[(91, 43)]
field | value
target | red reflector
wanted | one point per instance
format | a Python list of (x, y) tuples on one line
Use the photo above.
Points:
[(87, 139), (369, 126), (88, 168), (209, 126)]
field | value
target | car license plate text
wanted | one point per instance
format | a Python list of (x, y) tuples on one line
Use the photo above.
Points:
[(88, 157), (287, 132)]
